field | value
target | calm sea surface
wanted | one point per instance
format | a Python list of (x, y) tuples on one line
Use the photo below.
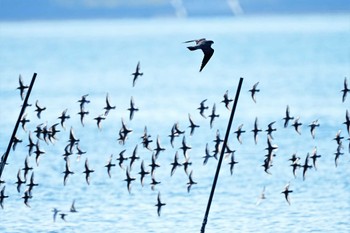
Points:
[(299, 61)]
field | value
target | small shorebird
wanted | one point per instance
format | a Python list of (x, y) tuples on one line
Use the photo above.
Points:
[(205, 46), (136, 74)]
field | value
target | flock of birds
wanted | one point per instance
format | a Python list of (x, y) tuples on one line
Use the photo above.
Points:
[(48, 134)]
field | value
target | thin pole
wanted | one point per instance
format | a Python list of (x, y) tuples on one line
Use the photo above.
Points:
[(221, 156), (5, 156)]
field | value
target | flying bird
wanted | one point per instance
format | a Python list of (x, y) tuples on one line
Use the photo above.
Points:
[(253, 91), (143, 172), (72, 207), (190, 182), (2, 197), (136, 74), (239, 132), (87, 171), (67, 172), (232, 163), (256, 130), (175, 163), (159, 204), (213, 115), (128, 180), (205, 46), (313, 126), (55, 212), (346, 89), (132, 108), (108, 105), (63, 118), (261, 197), (286, 192), (202, 108), (109, 165), (21, 87), (39, 109), (192, 125), (227, 100), (287, 118)]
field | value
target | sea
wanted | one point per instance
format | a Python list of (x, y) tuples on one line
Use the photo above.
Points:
[(299, 61)]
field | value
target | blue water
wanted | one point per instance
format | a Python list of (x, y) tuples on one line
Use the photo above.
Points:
[(300, 61)]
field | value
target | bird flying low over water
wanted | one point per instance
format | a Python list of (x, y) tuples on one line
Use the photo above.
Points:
[(21, 87), (286, 192), (205, 46), (346, 89), (159, 204), (254, 90), (136, 74)]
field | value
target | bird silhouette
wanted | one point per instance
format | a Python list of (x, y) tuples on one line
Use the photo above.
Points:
[(205, 46), (254, 90), (159, 204), (345, 90), (136, 74)]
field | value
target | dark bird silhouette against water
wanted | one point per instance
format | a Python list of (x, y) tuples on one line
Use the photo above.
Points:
[(338, 138), (256, 130), (143, 172), (87, 171), (186, 164), (108, 107), (153, 165), (306, 165), (132, 108), (314, 157), (121, 159), (128, 180), (72, 139), (159, 204), (55, 212), (270, 129), (80, 152), (213, 115), (133, 157), (26, 168), (26, 197), (154, 182), (192, 125), (15, 142), (158, 148), (345, 90), (99, 119), (347, 121), (67, 172), (19, 181), (39, 109), (31, 144), (254, 90), (227, 100), (175, 164), (109, 165), (232, 163), (239, 132), (313, 127), (31, 183), (202, 108), (286, 192), (83, 101), (207, 155), (205, 46), (82, 114), (72, 207), (136, 74), (2, 197), (190, 182), (185, 147), (21, 87), (63, 118), (63, 216), (24, 121), (337, 154), (297, 125), (287, 118)]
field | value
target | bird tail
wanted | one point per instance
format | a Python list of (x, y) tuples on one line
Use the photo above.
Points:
[(192, 48)]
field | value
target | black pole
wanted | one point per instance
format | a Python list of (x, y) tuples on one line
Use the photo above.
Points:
[(5, 156), (221, 156)]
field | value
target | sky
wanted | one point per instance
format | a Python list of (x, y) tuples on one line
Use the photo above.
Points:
[(11, 10)]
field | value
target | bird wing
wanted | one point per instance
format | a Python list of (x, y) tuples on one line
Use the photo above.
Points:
[(208, 53)]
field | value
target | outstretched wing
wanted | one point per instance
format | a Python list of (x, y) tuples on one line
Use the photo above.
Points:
[(208, 53)]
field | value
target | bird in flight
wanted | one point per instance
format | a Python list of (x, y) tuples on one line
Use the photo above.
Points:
[(136, 74), (205, 46)]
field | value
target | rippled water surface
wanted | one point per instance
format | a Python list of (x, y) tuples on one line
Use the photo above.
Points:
[(300, 61)]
